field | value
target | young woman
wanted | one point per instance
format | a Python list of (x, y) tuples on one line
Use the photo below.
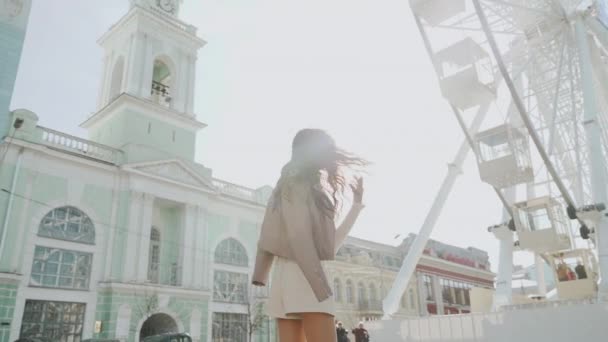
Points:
[(299, 234)]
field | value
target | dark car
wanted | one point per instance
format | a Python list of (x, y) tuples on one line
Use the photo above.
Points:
[(173, 337)]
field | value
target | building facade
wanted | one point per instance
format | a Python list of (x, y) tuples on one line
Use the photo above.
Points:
[(124, 235), (364, 272)]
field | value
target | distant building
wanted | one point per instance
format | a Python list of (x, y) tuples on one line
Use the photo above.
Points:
[(13, 24), (364, 271)]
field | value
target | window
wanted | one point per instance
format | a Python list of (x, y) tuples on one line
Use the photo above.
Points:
[(428, 288), (403, 302), (337, 290), (349, 292), (154, 256), (388, 261), (55, 321), (446, 292), (459, 293), (231, 252), (373, 294), (61, 268), (362, 294), (263, 331), (230, 287), (229, 327), (67, 223)]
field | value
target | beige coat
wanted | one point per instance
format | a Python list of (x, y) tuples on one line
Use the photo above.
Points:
[(298, 231)]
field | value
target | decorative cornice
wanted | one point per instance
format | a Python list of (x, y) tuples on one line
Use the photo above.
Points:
[(139, 288), (155, 170), (172, 25), (162, 113)]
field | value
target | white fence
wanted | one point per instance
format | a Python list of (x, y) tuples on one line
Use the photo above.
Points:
[(578, 322)]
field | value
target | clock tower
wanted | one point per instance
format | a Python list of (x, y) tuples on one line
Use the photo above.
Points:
[(167, 6), (146, 97)]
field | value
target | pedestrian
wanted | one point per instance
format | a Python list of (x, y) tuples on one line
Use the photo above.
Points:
[(341, 333), (580, 271), (361, 334)]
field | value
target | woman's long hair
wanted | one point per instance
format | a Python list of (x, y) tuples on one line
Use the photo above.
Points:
[(328, 169)]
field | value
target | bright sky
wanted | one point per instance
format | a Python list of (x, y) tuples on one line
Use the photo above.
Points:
[(356, 68)]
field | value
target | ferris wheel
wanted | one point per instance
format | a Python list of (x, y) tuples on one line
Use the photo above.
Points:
[(528, 82)]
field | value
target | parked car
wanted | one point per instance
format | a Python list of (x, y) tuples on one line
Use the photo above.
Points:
[(172, 337)]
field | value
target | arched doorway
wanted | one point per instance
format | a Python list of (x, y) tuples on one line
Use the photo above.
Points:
[(157, 324)]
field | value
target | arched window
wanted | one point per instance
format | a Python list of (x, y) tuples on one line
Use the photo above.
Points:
[(161, 83), (373, 294), (231, 252), (349, 292), (362, 294), (116, 84), (337, 290), (67, 223)]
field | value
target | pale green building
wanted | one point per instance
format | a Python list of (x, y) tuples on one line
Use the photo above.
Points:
[(124, 235)]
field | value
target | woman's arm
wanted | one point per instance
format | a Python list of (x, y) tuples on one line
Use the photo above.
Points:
[(347, 224), (352, 215)]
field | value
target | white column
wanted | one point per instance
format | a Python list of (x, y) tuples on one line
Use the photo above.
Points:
[(135, 64), (189, 91), (504, 291), (438, 294), (594, 145), (135, 208), (24, 221), (104, 80), (180, 84), (130, 65), (201, 261), (540, 275), (144, 238), (189, 242), (146, 67), (111, 229), (390, 304), (422, 307)]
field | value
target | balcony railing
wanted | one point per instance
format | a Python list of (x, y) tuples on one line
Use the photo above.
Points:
[(370, 305), (164, 274), (79, 146), (160, 93), (239, 191)]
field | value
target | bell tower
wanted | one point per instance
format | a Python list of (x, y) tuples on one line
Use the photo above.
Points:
[(146, 96)]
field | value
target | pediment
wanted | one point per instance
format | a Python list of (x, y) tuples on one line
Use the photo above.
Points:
[(174, 170)]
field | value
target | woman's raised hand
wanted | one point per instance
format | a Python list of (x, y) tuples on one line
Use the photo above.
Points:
[(357, 189)]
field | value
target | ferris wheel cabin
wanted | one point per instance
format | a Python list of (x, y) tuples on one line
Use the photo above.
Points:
[(576, 273), (541, 225), (435, 12), (504, 157), (466, 74)]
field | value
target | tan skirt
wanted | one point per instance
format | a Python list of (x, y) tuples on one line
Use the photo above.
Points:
[(291, 294)]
